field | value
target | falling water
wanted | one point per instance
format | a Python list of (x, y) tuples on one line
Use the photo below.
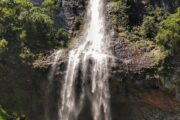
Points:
[(91, 58)]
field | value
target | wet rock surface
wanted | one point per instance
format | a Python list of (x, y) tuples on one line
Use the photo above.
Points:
[(137, 93), (70, 13)]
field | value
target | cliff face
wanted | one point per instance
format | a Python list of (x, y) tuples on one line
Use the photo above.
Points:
[(134, 42), (140, 88), (70, 14), (145, 81), (170, 5)]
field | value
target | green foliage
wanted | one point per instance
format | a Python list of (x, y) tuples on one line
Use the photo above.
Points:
[(3, 114), (147, 20), (37, 29), (62, 35), (3, 45), (138, 20), (149, 27), (26, 55), (127, 14), (169, 32), (28, 29), (120, 19), (50, 6), (6, 116), (48, 2)]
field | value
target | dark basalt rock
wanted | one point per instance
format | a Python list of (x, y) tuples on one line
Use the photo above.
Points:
[(170, 5), (36, 2)]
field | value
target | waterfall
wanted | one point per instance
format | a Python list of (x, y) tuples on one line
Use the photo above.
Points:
[(91, 59)]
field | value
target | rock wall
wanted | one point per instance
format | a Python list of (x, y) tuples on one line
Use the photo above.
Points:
[(137, 92), (170, 5)]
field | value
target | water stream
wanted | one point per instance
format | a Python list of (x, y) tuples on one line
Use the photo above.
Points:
[(90, 59)]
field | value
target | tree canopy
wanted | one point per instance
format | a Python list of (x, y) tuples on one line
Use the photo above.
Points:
[(169, 32), (26, 28)]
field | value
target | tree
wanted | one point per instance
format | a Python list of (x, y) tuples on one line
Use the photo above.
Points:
[(149, 27), (169, 32), (28, 27)]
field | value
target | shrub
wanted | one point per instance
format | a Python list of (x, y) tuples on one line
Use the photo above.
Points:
[(62, 37), (149, 27), (3, 45), (169, 32)]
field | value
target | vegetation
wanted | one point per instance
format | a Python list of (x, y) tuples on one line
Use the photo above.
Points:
[(169, 32), (3, 45), (6, 116), (27, 30), (154, 24), (143, 20)]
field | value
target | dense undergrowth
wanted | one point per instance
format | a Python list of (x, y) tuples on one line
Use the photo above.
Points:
[(153, 24), (148, 20), (27, 30)]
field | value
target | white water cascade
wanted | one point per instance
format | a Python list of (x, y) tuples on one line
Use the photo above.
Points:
[(91, 58)]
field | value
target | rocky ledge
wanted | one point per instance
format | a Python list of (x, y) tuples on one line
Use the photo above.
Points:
[(138, 79)]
